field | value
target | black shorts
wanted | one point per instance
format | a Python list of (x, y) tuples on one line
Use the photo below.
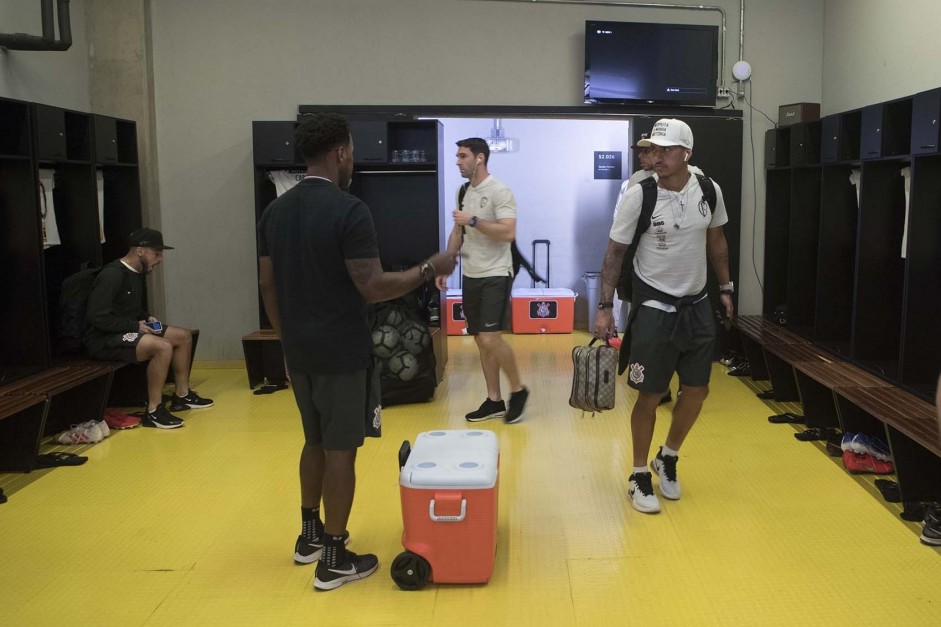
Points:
[(339, 411), (121, 347), (486, 303), (655, 357)]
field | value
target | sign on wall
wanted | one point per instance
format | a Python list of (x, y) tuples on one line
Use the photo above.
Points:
[(608, 165)]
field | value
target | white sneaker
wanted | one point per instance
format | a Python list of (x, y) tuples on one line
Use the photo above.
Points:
[(103, 427), (640, 489), (85, 433), (665, 467)]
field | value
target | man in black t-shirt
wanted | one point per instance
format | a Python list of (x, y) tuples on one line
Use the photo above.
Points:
[(119, 328), (318, 267)]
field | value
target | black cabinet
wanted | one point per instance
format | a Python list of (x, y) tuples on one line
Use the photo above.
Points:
[(926, 111), (771, 148), (805, 143), (870, 144), (370, 141), (106, 139), (50, 133), (273, 144), (853, 245), (59, 143), (830, 139)]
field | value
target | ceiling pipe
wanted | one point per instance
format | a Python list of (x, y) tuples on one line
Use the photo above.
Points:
[(658, 5), (47, 41)]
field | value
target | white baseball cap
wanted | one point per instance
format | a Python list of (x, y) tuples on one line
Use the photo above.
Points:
[(669, 132)]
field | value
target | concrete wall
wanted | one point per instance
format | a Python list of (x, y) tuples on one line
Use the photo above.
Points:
[(219, 65), (55, 78), (876, 51)]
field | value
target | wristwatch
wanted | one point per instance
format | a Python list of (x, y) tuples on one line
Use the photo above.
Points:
[(727, 288), (606, 305), (473, 221)]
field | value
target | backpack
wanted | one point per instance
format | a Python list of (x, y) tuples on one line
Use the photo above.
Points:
[(73, 300), (649, 187)]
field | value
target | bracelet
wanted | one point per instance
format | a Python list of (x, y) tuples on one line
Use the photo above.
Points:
[(606, 305), (727, 288)]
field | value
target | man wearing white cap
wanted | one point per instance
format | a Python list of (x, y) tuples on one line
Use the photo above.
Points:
[(672, 329)]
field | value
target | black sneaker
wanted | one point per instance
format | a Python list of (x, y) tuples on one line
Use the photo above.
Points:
[(517, 405), (308, 552), (488, 409), (190, 401), (160, 418), (353, 568)]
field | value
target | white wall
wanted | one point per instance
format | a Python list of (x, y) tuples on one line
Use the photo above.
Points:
[(876, 51), (557, 196), (54, 78), (218, 65)]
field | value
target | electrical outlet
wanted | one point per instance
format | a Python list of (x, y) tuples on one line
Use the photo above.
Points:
[(724, 92)]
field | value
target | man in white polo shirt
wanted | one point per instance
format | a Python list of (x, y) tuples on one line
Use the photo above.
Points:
[(672, 327), (484, 227)]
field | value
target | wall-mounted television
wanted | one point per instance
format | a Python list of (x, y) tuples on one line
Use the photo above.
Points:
[(639, 62)]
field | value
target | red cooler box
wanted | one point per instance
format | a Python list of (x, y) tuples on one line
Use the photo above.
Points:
[(449, 509), (548, 310), (454, 313)]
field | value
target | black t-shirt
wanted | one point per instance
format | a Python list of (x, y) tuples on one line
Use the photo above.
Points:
[(309, 232), (115, 304)]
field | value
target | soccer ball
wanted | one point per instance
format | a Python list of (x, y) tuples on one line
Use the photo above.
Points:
[(385, 341), (394, 318), (415, 337), (403, 366)]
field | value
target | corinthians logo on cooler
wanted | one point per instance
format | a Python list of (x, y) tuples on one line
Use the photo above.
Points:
[(543, 309)]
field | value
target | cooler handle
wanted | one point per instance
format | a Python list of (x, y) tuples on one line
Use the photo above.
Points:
[(458, 518)]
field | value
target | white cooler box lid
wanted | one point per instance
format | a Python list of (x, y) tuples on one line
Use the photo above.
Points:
[(460, 458), (543, 292)]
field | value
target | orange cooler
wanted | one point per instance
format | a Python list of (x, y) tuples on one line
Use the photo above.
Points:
[(454, 313), (548, 310), (449, 509)]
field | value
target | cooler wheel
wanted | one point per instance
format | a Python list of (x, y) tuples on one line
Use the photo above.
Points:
[(410, 571)]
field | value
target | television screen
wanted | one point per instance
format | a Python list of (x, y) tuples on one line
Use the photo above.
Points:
[(637, 62)]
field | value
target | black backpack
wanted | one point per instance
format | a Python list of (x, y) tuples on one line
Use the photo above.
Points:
[(649, 186), (73, 299)]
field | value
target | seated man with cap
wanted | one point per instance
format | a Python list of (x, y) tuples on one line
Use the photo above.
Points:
[(119, 328)]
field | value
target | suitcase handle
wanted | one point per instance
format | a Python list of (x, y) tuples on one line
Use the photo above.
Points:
[(458, 518)]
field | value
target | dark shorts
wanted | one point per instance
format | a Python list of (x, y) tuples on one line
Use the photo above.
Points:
[(120, 347), (486, 303), (655, 357), (339, 411)]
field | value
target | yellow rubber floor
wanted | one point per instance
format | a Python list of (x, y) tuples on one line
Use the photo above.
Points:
[(196, 526)]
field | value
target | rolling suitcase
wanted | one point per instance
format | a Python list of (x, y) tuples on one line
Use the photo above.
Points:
[(448, 484)]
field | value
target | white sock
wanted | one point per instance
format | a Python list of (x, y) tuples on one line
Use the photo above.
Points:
[(642, 469), (666, 450)]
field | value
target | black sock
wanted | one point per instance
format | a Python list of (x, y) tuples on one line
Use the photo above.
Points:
[(311, 525), (334, 551)]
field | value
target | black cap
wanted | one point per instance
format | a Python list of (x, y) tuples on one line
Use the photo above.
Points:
[(635, 146), (148, 238)]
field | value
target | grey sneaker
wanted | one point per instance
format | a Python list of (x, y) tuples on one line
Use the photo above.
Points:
[(640, 489), (665, 467)]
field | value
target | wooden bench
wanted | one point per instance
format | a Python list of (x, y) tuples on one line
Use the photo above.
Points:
[(837, 394), (47, 402), (264, 359)]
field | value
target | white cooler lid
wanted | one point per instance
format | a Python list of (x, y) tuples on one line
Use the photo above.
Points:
[(543, 292), (460, 458)]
